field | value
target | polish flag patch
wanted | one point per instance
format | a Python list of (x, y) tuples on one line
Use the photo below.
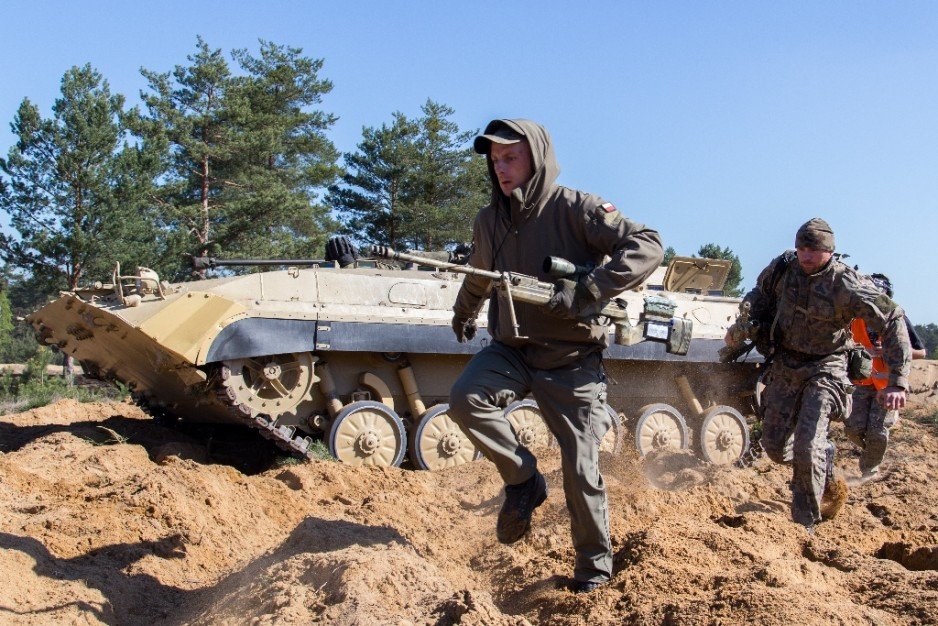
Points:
[(608, 207)]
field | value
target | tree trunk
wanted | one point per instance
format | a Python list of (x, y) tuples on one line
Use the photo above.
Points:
[(68, 368)]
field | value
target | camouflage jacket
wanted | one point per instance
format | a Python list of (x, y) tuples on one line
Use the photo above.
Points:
[(810, 315)]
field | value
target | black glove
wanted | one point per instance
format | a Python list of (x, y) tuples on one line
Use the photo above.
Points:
[(340, 248), (571, 299), (464, 328), (460, 254)]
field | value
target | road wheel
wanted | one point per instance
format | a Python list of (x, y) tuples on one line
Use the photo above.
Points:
[(367, 433), (437, 441), (267, 385), (528, 424), (724, 435), (660, 426)]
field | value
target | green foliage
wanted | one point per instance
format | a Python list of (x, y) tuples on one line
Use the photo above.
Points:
[(320, 451), (17, 341), (373, 193), (227, 157), (19, 345), (735, 276), (71, 186), (37, 388), (6, 322), (928, 333), (669, 254), (317, 451), (413, 184), (245, 157)]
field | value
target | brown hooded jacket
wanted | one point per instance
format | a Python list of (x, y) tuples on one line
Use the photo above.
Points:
[(540, 218)]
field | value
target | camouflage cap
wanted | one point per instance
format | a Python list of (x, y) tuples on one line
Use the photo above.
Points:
[(815, 234)]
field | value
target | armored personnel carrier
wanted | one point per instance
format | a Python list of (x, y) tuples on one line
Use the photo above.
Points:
[(364, 358)]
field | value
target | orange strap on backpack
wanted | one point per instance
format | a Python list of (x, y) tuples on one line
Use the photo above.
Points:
[(880, 376)]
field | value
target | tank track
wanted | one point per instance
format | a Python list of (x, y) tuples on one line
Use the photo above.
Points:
[(284, 437)]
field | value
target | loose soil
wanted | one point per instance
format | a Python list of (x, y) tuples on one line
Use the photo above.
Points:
[(109, 517)]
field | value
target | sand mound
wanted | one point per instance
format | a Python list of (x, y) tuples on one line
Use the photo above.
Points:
[(107, 517)]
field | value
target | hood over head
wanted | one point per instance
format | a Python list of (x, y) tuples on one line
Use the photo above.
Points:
[(544, 166)]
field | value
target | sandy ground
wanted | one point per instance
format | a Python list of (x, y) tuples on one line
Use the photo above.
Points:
[(107, 517)]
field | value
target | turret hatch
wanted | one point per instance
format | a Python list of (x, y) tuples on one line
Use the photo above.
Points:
[(692, 275)]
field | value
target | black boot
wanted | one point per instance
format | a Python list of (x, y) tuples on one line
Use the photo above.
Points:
[(586, 586), (520, 501)]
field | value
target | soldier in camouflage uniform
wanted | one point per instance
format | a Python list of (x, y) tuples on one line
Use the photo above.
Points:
[(869, 422), (803, 303)]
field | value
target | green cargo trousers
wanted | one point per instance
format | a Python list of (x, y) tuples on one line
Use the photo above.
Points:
[(572, 400)]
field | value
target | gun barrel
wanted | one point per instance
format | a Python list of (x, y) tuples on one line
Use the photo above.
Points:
[(390, 253), (207, 262), (559, 267)]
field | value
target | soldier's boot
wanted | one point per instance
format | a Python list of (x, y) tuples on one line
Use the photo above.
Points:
[(520, 501), (586, 586), (835, 488)]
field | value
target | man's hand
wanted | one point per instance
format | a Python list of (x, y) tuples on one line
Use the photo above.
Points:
[(570, 300), (341, 249), (460, 254), (730, 337), (736, 334), (891, 398), (464, 328)]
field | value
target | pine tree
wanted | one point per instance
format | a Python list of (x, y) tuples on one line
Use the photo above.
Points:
[(928, 333), (246, 155), (6, 323), (413, 183), (450, 183), (74, 188), (187, 122), (17, 339), (376, 188), (284, 160)]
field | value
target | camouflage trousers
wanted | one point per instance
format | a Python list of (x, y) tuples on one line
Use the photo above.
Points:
[(572, 401), (868, 426), (799, 404)]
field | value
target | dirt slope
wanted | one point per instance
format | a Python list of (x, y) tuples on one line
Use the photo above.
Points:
[(106, 517)]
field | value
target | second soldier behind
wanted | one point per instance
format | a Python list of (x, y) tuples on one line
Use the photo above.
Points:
[(804, 303), (869, 421)]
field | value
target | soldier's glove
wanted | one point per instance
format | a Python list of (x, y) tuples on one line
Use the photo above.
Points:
[(571, 299), (340, 248), (461, 254), (735, 335), (464, 328)]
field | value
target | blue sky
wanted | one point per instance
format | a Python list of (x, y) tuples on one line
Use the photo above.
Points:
[(723, 122)]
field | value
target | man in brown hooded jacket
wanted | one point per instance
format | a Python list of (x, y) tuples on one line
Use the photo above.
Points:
[(556, 353)]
